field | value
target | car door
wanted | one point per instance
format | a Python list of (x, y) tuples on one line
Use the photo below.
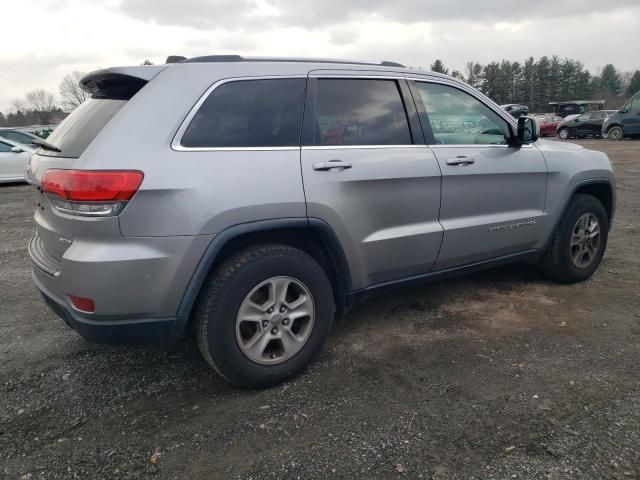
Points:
[(368, 174), (493, 193), (631, 118), (12, 164), (581, 126), (593, 126)]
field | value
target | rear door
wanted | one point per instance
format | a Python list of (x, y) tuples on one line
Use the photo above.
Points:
[(368, 173), (594, 125), (493, 194)]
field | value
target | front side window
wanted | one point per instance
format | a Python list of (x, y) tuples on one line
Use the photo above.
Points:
[(635, 106), (360, 112), (457, 118), (249, 113)]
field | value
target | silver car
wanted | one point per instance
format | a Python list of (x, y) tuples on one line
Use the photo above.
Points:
[(14, 158), (248, 201)]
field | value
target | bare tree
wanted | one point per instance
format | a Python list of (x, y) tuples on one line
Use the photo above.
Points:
[(40, 100), (19, 105), (70, 91), (42, 103)]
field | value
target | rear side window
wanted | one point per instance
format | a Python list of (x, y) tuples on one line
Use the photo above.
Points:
[(4, 147), (360, 112), (249, 113), (78, 130)]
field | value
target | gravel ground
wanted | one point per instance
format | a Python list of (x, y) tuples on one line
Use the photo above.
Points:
[(498, 375)]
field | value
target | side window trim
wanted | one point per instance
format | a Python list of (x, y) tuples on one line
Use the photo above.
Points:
[(176, 142), (428, 132), (309, 116)]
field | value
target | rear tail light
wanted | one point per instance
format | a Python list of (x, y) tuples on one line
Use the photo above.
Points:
[(83, 304), (91, 192)]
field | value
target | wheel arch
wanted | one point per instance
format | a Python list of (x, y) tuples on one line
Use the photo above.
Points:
[(313, 236), (601, 188)]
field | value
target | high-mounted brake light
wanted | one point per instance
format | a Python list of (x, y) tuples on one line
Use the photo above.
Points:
[(91, 192)]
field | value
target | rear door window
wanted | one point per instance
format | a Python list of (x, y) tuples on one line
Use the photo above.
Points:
[(360, 112), (249, 113)]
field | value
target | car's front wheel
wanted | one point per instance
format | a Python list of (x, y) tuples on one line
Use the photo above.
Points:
[(615, 133), (579, 242), (264, 315), (563, 133)]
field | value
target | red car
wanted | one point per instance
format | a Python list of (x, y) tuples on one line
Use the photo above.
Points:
[(548, 123)]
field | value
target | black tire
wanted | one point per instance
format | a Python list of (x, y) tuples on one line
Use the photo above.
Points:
[(557, 262), (564, 133), (226, 289), (615, 133)]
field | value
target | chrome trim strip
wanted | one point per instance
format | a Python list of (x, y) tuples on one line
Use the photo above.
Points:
[(356, 147), (176, 142)]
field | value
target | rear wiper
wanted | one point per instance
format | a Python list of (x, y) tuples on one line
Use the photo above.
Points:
[(44, 144)]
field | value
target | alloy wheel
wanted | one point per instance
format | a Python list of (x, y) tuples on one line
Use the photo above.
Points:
[(585, 240), (275, 320)]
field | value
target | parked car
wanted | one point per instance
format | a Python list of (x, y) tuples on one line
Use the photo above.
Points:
[(548, 123), (14, 158), (515, 110), (24, 138), (587, 124), (573, 107), (288, 191), (625, 122)]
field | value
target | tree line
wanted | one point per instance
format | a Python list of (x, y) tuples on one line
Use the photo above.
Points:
[(533, 82)]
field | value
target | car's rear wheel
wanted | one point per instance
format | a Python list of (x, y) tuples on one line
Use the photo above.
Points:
[(264, 315), (579, 242), (615, 133), (563, 133)]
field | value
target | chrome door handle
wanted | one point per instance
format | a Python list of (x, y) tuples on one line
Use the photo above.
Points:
[(460, 160), (332, 165)]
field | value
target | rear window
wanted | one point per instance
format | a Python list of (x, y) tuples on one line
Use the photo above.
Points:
[(249, 113), (76, 132)]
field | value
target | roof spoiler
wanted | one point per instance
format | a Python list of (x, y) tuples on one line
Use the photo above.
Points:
[(118, 83)]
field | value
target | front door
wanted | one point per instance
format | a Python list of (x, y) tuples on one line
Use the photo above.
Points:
[(631, 118), (368, 173), (493, 194)]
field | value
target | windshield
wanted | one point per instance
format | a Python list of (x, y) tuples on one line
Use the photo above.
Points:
[(78, 130)]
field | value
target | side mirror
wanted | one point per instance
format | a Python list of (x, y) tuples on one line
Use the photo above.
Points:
[(528, 131), (16, 150)]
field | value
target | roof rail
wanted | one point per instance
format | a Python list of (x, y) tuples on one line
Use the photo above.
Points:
[(238, 58)]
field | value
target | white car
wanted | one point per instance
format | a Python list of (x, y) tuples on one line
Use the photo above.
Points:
[(14, 159)]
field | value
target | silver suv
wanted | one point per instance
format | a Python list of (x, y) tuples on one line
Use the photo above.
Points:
[(250, 200)]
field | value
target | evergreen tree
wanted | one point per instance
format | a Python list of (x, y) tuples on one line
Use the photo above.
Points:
[(438, 66), (634, 85), (610, 80)]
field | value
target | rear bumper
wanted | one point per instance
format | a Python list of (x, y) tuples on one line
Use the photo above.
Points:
[(112, 331)]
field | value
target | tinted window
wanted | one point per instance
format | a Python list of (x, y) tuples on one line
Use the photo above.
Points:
[(360, 112), (4, 147), (457, 118), (249, 113), (16, 136), (78, 130)]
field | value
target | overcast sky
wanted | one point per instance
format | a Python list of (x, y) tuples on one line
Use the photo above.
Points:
[(43, 40)]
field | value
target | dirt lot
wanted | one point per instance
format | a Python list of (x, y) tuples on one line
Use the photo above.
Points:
[(495, 376)]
